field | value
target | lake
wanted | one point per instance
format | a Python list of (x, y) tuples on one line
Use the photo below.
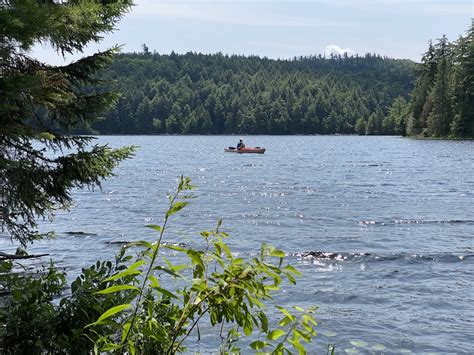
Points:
[(381, 227)]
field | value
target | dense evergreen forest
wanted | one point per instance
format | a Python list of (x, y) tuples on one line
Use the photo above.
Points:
[(214, 94), (442, 103)]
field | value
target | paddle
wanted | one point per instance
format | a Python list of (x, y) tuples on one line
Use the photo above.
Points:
[(232, 148)]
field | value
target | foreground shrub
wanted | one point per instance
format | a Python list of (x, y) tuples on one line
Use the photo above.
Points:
[(128, 306)]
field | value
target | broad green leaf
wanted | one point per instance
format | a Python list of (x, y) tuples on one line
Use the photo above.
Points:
[(298, 346), (154, 281), (131, 346), (275, 334), (309, 319), (177, 206), (155, 227), (125, 330), (117, 288), (306, 337), (240, 261), (199, 284), (292, 270), (286, 313), (272, 288), (284, 322), (248, 329), (255, 301), (166, 292), (257, 345), (141, 243), (111, 312), (264, 320), (195, 257), (131, 270), (174, 247), (226, 250), (277, 253), (309, 329), (218, 248), (291, 279), (205, 234), (180, 267)]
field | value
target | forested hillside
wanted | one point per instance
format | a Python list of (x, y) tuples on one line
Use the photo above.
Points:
[(215, 94)]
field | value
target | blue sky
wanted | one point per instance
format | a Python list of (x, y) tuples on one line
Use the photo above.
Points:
[(286, 28)]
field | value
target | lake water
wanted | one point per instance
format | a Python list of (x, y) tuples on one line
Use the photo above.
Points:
[(381, 227)]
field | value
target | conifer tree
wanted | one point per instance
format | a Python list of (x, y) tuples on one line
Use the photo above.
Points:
[(418, 114), (394, 122), (463, 124), (360, 126), (39, 101), (440, 116)]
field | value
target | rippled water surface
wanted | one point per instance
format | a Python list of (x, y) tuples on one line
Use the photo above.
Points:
[(382, 227)]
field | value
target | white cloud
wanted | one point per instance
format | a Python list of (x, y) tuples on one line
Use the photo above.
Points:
[(335, 49)]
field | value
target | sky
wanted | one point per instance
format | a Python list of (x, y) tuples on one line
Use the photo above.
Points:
[(284, 28)]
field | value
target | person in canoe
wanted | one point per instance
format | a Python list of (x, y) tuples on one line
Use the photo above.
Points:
[(241, 144)]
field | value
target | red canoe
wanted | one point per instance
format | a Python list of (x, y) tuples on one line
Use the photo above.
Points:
[(256, 150)]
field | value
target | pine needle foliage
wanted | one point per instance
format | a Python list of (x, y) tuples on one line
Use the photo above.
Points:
[(442, 103), (39, 163)]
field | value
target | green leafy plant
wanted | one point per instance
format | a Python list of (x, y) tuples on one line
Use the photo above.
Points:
[(220, 287), (27, 316), (143, 303)]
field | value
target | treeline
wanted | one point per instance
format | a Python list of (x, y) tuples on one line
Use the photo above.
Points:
[(442, 103), (215, 94)]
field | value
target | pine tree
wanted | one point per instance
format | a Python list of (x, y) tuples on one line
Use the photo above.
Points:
[(360, 126), (374, 124), (394, 122), (175, 119), (371, 127), (39, 101), (440, 117), (463, 124), (417, 115), (144, 120)]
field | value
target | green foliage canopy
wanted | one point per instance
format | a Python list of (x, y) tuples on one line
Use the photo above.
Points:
[(197, 93), (442, 103)]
